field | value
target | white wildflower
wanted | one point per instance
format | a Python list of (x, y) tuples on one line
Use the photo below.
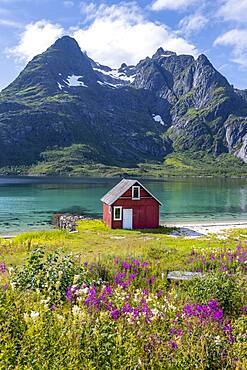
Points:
[(34, 315), (76, 310), (12, 284), (84, 290), (76, 278), (217, 340)]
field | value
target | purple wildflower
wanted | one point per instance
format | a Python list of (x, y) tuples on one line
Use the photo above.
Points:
[(145, 264), (69, 294), (228, 332), (108, 291), (115, 314), (119, 277), (135, 262), (211, 311), (3, 267), (126, 265), (127, 308), (151, 280), (160, 293), (173, 344), (244, 310)]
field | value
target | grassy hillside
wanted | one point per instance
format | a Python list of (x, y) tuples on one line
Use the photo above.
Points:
[(100, 299), (74, 161)]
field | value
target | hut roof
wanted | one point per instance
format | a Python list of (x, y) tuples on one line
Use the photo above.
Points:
[(118, 190)]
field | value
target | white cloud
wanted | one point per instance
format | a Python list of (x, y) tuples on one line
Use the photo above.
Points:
[(237, 40), (234, 10), (9, 23), (171, 4), (36, 38), (68, 4), (112, 35), (193, 23), (121, 33)]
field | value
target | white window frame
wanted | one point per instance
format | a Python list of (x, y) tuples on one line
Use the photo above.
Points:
[(139, 192), (114, 213)]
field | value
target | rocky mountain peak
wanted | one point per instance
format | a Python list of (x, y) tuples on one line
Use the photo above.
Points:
[(66, 44), (163, 53), (202, 59)]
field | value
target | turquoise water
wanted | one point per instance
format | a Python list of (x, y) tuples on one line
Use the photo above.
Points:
[(27, 203)]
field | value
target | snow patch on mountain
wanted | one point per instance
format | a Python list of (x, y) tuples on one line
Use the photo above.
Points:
[(115, 77), (107, 84), (157, 118), (73, 81)]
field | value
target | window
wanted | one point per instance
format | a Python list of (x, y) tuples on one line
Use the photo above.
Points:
[(117, 213), (136, 192)]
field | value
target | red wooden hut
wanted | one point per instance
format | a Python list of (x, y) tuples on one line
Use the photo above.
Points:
[(129, 205)]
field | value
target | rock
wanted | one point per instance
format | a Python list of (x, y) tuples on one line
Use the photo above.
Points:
[(68, 222)]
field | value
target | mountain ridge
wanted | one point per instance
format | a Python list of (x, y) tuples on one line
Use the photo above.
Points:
[(165, 104)]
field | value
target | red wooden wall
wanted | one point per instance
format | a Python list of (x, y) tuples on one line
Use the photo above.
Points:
[(145, 211)]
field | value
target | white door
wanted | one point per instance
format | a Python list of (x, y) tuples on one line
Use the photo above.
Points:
[(127, 219)]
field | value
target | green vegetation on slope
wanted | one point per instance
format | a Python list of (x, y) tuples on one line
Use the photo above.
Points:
[(74, 161)]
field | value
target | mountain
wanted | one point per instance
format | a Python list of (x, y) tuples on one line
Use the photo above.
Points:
[(65, 104)]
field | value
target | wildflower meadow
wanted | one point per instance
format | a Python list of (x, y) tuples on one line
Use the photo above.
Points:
[(60, 312)]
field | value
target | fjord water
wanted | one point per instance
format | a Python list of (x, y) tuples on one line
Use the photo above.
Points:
[(28, 203)]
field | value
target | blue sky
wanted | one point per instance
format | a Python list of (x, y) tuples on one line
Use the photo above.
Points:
[(114, 32)]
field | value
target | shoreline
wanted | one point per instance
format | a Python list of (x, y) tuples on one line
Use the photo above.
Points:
[(197, 229)]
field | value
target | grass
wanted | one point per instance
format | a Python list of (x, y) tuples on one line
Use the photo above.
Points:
[(95, 241)]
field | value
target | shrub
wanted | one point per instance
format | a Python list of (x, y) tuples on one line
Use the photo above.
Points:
[(220, 286), (49, 275)]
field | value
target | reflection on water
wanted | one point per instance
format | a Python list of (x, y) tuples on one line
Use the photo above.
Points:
[(29, 202)]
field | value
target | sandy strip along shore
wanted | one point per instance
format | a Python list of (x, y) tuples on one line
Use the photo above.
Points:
[(202, 228)]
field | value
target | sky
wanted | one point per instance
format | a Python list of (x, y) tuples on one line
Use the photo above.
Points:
[(113, 32)]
